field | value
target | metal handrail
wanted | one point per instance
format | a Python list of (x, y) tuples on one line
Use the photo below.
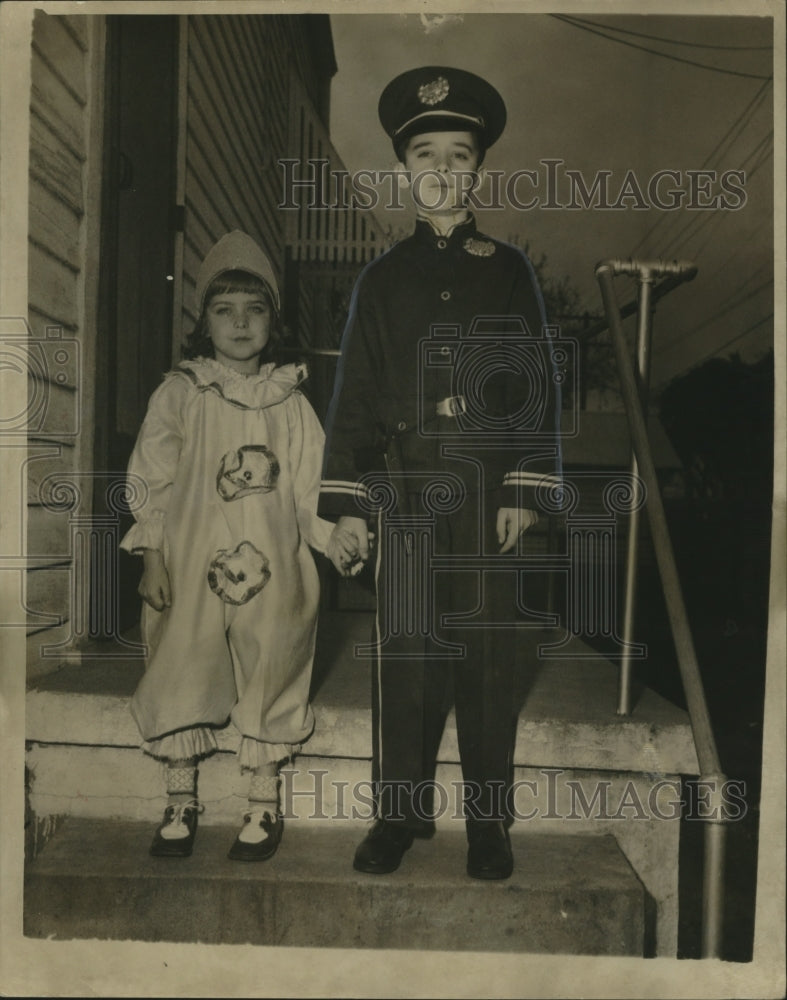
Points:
[(707, 753)]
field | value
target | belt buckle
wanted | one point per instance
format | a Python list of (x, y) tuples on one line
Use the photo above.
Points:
[(453, 406)]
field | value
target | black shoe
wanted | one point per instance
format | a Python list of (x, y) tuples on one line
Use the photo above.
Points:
[(243, 850), (175, 836), (382, 848), (489, 850)]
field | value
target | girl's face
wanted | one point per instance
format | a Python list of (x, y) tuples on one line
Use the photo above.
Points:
[(239, 324)]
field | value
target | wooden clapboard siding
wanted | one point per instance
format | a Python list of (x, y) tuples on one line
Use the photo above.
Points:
[(46, 458), (53, 286), (225, 137), (62, 50), (237, 91), (59, 109), (77, 26), (256, 93), (54, 165), (55, 225), (63, 54)]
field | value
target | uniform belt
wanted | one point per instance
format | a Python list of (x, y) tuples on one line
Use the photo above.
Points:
[(452, 406)]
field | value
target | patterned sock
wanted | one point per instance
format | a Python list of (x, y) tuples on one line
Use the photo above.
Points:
[(264, 788), (181, 777)]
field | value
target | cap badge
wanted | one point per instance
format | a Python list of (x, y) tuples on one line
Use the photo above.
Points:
[(434, 92), (479, 248)]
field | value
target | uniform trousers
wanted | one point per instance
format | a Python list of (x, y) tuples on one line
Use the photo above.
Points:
[(421, 661)]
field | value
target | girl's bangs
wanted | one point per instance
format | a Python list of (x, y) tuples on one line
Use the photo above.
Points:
[(237, 281)]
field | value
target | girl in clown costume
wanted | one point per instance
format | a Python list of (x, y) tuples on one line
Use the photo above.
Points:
[(231, 453)]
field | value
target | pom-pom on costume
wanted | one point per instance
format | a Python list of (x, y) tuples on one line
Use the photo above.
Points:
[(232, 465)]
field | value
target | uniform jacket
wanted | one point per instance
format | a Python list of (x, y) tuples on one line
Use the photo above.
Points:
[(436, 318)]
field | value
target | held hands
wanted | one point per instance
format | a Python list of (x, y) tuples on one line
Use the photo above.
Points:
[(348, 546), (511, 523), (154, 587)]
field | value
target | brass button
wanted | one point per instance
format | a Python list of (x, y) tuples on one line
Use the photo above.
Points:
[(442, 244), (401, 426), (445, 350), (445, 296)]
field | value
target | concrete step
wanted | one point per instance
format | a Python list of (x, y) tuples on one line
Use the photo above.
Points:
[(567, 707), (83, 758), (569, 894)]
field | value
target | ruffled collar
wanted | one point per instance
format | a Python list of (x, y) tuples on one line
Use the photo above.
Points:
[(269, 386)]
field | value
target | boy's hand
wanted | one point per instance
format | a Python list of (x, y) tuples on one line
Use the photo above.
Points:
[(348, 546), (511, 523), (154, 587)]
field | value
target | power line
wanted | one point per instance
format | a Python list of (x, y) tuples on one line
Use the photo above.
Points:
[(728, 307), (716, 351), (697, 223), (738, 336), (764, 158), (664, 55), (742, 121), (675, 41), (735, 298), (740, 247), (739, 124)]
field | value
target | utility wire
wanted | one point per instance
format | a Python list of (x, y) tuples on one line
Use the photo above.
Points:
[(765, 156), (740, 247), (697, 223), (728, 343), (664, 55), (740, 123), (740, 336), (675, 41), (738, 126), (728, 307)]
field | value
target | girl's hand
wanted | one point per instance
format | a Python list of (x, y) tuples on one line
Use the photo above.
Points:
[(348, 546), (511, 523), (154, 587)]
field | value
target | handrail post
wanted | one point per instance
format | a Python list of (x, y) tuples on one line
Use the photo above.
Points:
[(632, 547), (714, 844), (707, 754)]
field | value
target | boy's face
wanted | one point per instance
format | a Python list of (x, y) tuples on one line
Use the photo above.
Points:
[(239, 324), (446, 161)]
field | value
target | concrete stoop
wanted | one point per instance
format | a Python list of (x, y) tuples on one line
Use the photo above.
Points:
[(569, 894), (582, 772)]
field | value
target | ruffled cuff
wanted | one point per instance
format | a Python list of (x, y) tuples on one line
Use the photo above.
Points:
[(199, 742), (147, 533), (256, 753)]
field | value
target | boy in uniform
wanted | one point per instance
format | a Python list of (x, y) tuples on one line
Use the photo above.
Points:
[(446, 392)]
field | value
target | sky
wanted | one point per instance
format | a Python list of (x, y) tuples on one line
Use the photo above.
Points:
[(588, 95)]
